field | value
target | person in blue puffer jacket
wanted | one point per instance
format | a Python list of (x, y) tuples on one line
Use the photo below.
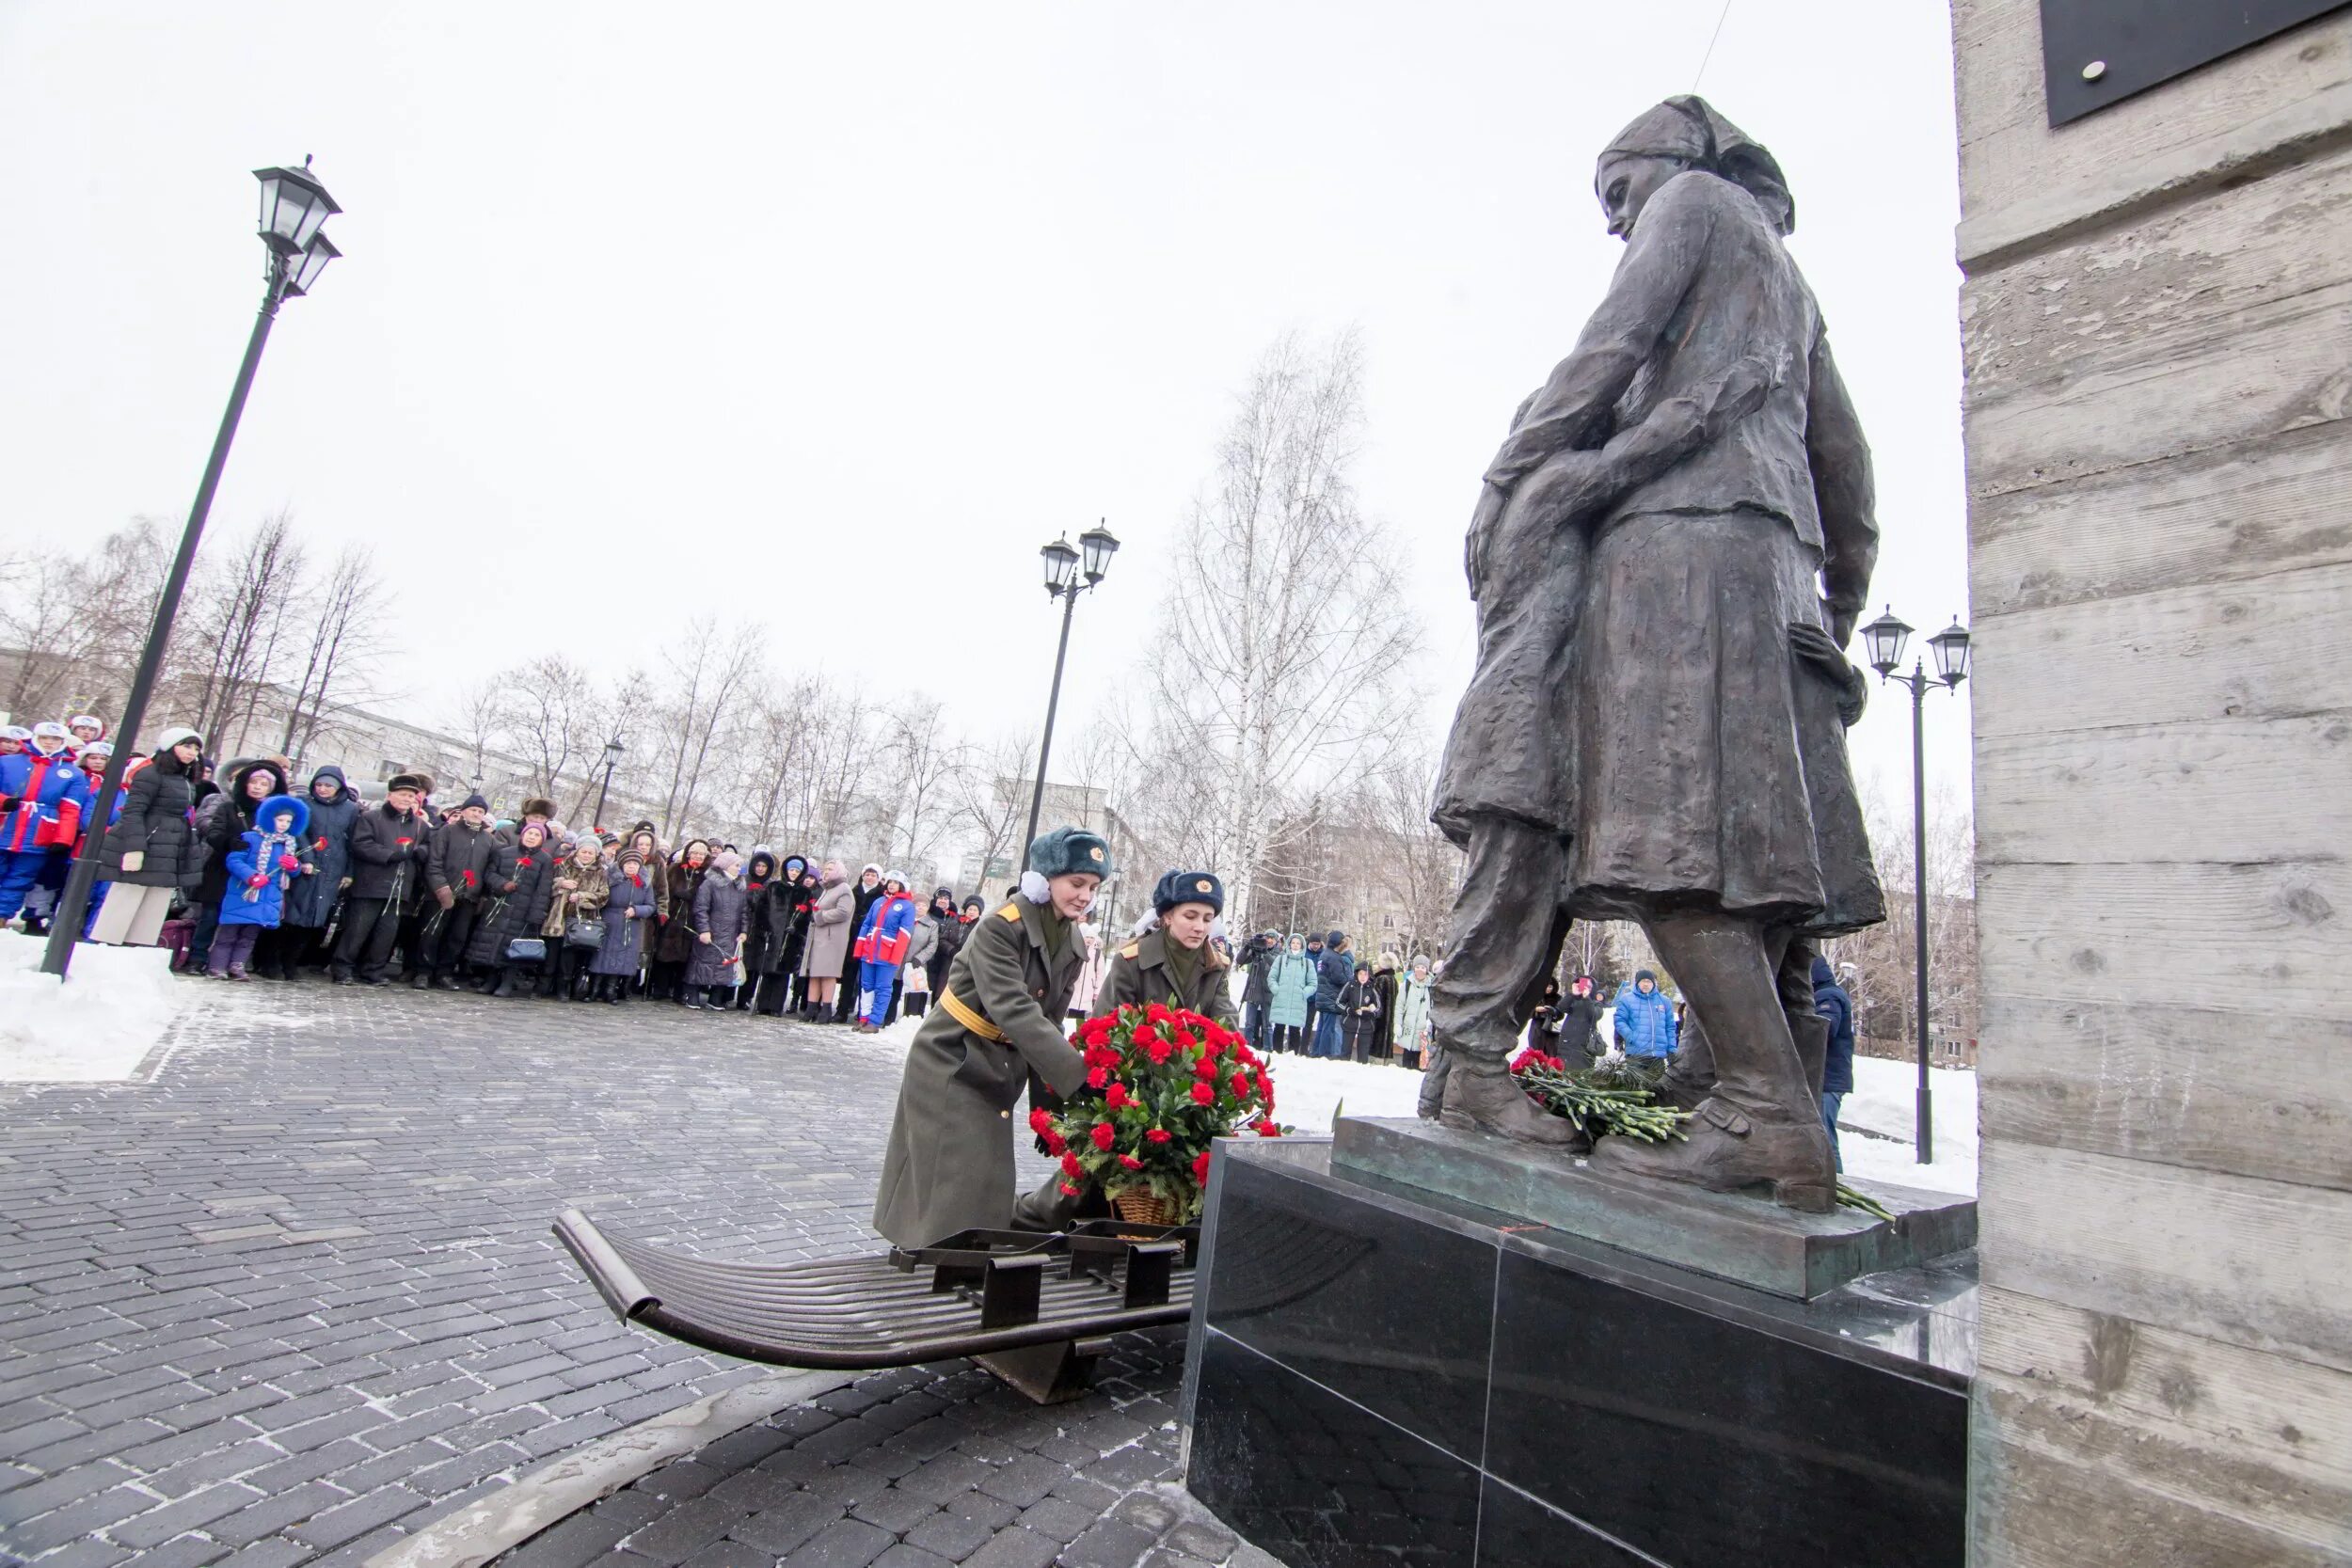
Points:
[(269, 858), (1831, 1000), (882, 947), (1644, 1020)]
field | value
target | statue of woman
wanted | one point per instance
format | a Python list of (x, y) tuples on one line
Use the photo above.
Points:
[(1693, 485)]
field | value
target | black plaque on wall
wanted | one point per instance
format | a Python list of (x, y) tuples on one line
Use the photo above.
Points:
[(2096, 52)]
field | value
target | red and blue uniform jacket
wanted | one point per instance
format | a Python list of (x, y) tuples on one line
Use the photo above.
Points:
[(889, 929), (51, 793)]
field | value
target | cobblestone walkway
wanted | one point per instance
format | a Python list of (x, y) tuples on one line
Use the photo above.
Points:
[(296, 1296)]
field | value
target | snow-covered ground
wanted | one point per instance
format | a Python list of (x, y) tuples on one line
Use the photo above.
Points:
[(96, 1025), (1874, 1123)]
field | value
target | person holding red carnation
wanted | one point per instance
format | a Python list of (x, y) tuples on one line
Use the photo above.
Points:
[(1172, 964), (997, 1029)]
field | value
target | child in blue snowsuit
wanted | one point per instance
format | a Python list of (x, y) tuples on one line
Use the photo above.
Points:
[(43, 795), (258, 875), (882, 947)]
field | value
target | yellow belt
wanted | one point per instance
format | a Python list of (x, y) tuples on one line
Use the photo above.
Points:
[(962, 1014)]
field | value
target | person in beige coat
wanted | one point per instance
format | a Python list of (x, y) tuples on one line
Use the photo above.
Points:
[(828, 945)]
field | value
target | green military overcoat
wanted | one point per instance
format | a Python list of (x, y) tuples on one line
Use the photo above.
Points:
[(949, 1164), (1139, 976)]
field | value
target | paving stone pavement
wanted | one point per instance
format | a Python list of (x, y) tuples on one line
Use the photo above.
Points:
[(296, 1297)]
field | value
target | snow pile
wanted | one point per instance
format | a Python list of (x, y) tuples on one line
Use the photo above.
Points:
[(95, 1027)]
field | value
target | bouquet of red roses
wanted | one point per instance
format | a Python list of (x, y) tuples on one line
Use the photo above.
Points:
[(1161, 1084)]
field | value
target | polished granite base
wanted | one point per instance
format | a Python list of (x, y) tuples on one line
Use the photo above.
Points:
[(1382, 1374), (1746, 1239)]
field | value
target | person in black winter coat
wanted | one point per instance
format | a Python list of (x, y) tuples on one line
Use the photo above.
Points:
[(311, 902), (779, 925), (948, 923), (457, 872), (522, 883), (1363, 1023), (1256, 959), (1831, 1000), (150, 853), (1579, 1022), (1334, 971), (389, 847), (760, 878), (1545, 1022)]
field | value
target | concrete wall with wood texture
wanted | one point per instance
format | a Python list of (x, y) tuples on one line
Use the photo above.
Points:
[(2157, 316)]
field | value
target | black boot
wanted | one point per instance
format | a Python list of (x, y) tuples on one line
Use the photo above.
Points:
[(505, 985)]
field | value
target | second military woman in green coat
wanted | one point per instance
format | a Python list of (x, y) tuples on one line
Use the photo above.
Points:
[(1174, 963)]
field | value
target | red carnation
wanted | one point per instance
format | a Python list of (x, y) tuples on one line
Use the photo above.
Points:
[(1160, 1052), (1155, 1013), (1159, 1136), (318, 844), (1071, 1189), (1145, 1040), (1070, 1163), (1186, 1040), (1203, 1094), (1056, 1142), (1241, 1086), (1131, 1162), (1040, 1122), (1205, 1067), (1098, 1077), (1200, 1168), (1268, 1129), (1095, 1030), (1118, 1099), (1105, 1136), (406, 842)]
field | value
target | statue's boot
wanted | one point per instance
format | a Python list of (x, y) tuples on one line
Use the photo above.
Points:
[(1812, 1036), (1480, 1093), (1690, 1075), (1727, 1147)]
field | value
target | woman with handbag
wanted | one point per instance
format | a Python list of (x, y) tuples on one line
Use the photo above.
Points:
[(629, 913), (721, 907), (575, 922), (521, 885)]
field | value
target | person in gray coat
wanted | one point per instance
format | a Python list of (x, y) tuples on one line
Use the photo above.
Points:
[(827, 944), (722, 915), (996, 1028)]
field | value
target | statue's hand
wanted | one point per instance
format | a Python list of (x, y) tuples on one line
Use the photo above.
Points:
[(1740, 392)]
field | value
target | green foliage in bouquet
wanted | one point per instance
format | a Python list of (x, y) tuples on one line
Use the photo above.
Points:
[(1601, 1099)]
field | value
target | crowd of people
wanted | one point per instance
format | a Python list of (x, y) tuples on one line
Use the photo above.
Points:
[(251, 879)]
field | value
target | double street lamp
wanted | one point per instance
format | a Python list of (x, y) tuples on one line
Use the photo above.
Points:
[(1885, 638), (294, 207), (1064, 569)]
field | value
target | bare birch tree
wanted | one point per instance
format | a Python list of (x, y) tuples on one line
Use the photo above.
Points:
[(241, 606), (344, 639), (1286, 627)]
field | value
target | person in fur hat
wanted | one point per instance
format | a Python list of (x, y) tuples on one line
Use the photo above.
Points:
[(1171, 961), (997, 1026)]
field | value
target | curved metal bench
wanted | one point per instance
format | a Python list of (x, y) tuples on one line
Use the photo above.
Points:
[(1033, 1308)]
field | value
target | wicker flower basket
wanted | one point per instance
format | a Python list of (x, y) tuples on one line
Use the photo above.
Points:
[(1141, 1206)]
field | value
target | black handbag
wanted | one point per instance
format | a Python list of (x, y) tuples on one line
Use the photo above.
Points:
[(586, 932), (525, 950)]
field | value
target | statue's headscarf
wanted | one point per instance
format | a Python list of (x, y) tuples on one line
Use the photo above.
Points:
[(1686, 128)]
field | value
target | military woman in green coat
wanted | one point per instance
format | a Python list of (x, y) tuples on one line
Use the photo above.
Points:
[(1174, 963), (949, 1165)]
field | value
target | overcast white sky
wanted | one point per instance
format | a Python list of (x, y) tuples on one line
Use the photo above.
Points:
[(831, 316)]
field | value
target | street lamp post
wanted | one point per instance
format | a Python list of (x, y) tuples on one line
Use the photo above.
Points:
[(1885, 637), (293, 207), (1064, 567), (612, 750)]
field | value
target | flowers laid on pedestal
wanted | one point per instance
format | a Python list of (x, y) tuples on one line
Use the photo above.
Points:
[(1610, 1096), (1161, 1085)]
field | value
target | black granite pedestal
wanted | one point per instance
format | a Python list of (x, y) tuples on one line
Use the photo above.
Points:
[(1381, 1374)]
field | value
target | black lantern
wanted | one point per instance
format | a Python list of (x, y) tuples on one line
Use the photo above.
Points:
[(1061, 566), (1885, 638), (294, 204), (1099, 545), (1950, 647), (303, 271), (612, 750)]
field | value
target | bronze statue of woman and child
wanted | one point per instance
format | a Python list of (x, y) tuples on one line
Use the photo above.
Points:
[(1668, 556)]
